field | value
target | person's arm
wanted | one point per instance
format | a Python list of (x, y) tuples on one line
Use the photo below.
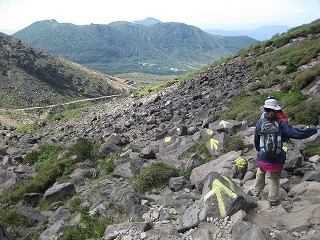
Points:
[(296, 133)]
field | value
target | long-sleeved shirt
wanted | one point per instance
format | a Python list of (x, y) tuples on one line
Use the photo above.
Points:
[(285, 129)]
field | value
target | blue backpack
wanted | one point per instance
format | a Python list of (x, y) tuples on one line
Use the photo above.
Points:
[(270, 140)]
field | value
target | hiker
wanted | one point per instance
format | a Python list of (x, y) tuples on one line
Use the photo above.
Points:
[(280, 113), (272, 166)]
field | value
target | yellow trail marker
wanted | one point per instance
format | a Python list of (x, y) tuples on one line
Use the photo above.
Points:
[(178, 129), (209, 131), (229, 181), (214, 143), (285, 149), (218, 188), (240, 162), (224, 123), (167, 139)]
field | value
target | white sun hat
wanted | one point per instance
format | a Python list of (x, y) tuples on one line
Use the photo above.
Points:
[(271, 104)]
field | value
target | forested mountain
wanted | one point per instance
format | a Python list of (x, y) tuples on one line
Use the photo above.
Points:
[(121, 47)]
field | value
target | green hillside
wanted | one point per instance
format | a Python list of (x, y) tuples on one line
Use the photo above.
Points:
[(122, 47), (30, 77)]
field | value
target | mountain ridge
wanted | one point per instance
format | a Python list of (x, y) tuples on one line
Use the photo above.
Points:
[(119, 47), (261, 33)]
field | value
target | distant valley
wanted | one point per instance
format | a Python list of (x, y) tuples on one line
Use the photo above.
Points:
[(124, 47)]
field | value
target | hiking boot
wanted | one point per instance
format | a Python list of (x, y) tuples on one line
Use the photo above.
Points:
[(273, 203)]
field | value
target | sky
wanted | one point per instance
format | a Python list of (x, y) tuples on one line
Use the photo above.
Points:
[(205, 14)]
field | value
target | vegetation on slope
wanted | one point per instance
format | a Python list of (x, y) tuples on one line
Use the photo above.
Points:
[(285, 74), (30, 77), (123, 47)]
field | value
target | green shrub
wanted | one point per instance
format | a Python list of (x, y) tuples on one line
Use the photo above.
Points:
[(66, 114), (83, 149), (14, 218), (156, 175), (258, 65), (291, 67), (108, 166), (26, 128), (31, 158), (281, 41), (74, 203), (235, 143)]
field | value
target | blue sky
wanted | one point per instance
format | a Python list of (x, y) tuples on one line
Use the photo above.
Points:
[(206, 14)]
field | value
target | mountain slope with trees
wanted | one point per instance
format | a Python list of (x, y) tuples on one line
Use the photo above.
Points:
[(120, 47), (31, 77)]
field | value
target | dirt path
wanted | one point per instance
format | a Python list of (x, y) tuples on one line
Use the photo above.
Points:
[(20, 117)]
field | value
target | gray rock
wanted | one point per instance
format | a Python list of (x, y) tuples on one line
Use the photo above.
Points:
[(107, 149), (123, 171), (294, 160), (194, 161), (115, 230), (222, 165), (305, 190), (311, 176), (178, 183), (55, 231), (301, 218), (3, 233), (244, 231), (60, 191)]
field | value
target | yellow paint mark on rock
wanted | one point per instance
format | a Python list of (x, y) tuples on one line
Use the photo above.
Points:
[(167, 139), (209, 132), (240, 162), (224, 123), (178, 129), (214, 143), (231, 185), (285, 149), (218, 189)]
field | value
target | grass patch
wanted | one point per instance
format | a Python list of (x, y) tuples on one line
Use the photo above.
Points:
[(66, 114), (89, 229), (153, 89), (156, 175), (311, 151), (199, 148), (26, 128), (235, 143), (304, 78), (306, 112), (48, 169)]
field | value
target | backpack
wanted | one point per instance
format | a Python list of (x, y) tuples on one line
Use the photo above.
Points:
[(282, 116), (270, 139)]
